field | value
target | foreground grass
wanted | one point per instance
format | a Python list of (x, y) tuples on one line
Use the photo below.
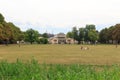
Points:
[(62, 54), (32, 70)]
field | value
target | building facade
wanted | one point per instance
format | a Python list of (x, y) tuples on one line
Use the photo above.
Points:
[(61, 39)]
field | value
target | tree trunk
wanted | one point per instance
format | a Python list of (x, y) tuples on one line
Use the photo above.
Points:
[(31, 42), (19, 43), (116, 43)]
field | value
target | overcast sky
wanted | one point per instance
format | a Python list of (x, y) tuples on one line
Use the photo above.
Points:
[(60, 15)]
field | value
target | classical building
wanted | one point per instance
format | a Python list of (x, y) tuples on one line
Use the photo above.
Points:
[(61, 39)]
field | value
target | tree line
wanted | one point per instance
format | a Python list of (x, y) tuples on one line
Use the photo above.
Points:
[(90, 34), (9, 33), (87, 34)]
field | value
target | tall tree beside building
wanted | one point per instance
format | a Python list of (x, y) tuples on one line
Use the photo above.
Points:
[(75, 33), (31, 35), (69, 35), (45, 35)]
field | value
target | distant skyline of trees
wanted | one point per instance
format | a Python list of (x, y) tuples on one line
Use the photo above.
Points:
[(9, 33)]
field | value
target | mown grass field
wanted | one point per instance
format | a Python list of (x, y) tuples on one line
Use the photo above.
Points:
[(62, 54)]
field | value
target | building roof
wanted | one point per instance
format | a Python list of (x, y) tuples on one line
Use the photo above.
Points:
[(60, 35)]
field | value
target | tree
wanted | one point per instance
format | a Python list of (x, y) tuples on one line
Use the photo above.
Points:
[(1, 18), (87, 29), (42, 41), (93, 36), (110, 33), (45, 35), (8, 31), (31, 35), (116, 33), (103, 36), (69, 35), (20, 38), (90, 27), (1, 32), (15, 33), (81, 34), (75, 33)]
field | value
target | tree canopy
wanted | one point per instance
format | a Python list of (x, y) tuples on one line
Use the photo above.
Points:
[(116, 33), (9, 33), (31, 35), (1, 18)]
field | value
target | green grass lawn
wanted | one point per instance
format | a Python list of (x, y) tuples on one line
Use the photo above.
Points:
[(32, 70), (62, 54)]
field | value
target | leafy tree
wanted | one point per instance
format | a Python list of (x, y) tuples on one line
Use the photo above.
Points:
[(110, 33), (1, 18), (81, 34), (31, 35), (87, 29), (93, 36), (15, 33), (75, 33), (90, 27), (116, 33), (8, 31), (1, 32), (103, 36), (69, 35), (42, 41), (21, 36), (45, 35)]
